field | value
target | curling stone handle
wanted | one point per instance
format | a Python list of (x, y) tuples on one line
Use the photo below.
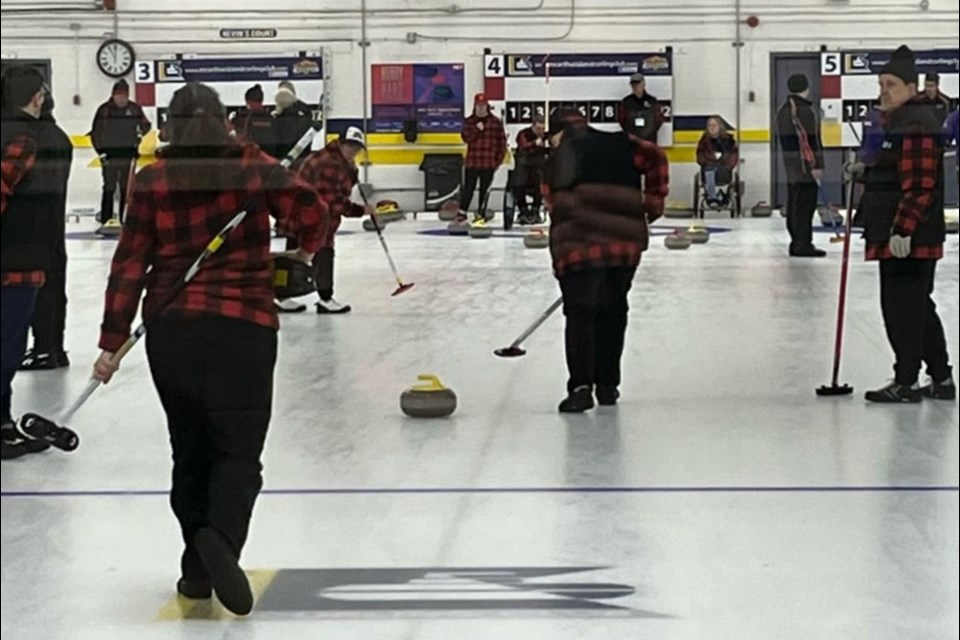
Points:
[(432, 383)]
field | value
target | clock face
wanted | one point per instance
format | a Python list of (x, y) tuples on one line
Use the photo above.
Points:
[(115, 58)]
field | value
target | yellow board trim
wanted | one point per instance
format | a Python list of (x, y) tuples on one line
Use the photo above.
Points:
[(389, 149), (832, 134), (179, 608), (746, 136)]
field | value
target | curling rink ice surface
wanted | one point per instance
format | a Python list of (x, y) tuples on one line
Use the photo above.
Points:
[(721, 500)]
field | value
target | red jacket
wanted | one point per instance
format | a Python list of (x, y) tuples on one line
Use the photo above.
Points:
[(487, 148), (709, 147), (334, 178)]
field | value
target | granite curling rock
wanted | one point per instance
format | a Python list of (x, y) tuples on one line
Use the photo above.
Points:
[(536, 239), (698, 234), (428, 400), (678, 241)]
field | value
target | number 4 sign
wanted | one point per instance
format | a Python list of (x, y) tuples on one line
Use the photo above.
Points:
[(493, 66)]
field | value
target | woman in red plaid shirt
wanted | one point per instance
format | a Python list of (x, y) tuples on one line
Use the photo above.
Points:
[(212, 351), (905, 228), (604, 190)]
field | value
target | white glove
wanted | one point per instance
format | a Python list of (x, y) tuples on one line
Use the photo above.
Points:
[(854, 169), (901, 246)]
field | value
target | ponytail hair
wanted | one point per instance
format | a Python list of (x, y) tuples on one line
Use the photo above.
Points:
[(202, 156)]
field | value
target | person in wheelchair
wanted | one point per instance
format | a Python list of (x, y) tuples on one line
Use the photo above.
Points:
[(718, 157), (531, 155)]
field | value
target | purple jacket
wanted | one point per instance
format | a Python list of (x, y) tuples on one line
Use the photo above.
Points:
[(873, 136), (950, 129)]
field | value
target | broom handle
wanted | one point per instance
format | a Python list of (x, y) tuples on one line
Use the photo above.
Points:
[(844, 279), (536, 325)]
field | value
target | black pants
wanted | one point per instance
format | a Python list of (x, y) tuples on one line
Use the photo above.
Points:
[(521, 196), (913, 324), (50, 314), (470, 179), (215, 381), (801, 206), (116, 175), (595, 304), (323, 272)]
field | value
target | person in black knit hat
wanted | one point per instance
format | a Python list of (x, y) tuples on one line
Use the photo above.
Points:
[(118, 126), (934, 97), (254, 122), (902, 208), (798, 130)]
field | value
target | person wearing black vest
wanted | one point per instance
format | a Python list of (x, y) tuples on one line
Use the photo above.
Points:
[(934, 97), (640, 113), (118, 126), (254, 123), (31, 225), (292, 119), (905, 230), (603, 191), (798, 130), (50, 315)]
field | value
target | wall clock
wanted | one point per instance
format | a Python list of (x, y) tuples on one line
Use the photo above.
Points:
[(116, 58)]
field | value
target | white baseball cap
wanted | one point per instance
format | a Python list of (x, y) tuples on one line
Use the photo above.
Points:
[(355, 136)]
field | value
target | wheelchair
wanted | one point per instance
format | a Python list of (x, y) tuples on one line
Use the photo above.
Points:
[(729, 194)]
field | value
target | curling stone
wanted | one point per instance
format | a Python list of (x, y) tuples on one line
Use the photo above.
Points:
[(678, 241), (536, 239), (762, 210), (952, 225), (449, 211), (458, 228), (698, 234), (480, 231), (389, 211), (830, 218), (111, 229), (677, 209), (428, 400)]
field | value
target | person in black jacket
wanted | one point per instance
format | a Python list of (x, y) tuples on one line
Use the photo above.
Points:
[(798, 130), (640, 113), (31, 214), (905, 229), (117, 128), (50, 315), (254, 123), (934, 97), (293, 118)]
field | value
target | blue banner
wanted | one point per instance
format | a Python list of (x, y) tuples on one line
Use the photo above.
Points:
[(211, 70), (590, 64), (868, 63)]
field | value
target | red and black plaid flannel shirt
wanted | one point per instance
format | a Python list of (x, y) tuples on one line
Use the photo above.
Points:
[(919, 172), (485, 149), (166, 231), (652, 163), (334, 178), (19, 158)]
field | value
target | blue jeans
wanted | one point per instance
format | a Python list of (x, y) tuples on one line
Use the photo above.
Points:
[(16, 313), (710, 183)]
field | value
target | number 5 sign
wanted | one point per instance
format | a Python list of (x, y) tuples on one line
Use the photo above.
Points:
[(830, 64), (493, 66)]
